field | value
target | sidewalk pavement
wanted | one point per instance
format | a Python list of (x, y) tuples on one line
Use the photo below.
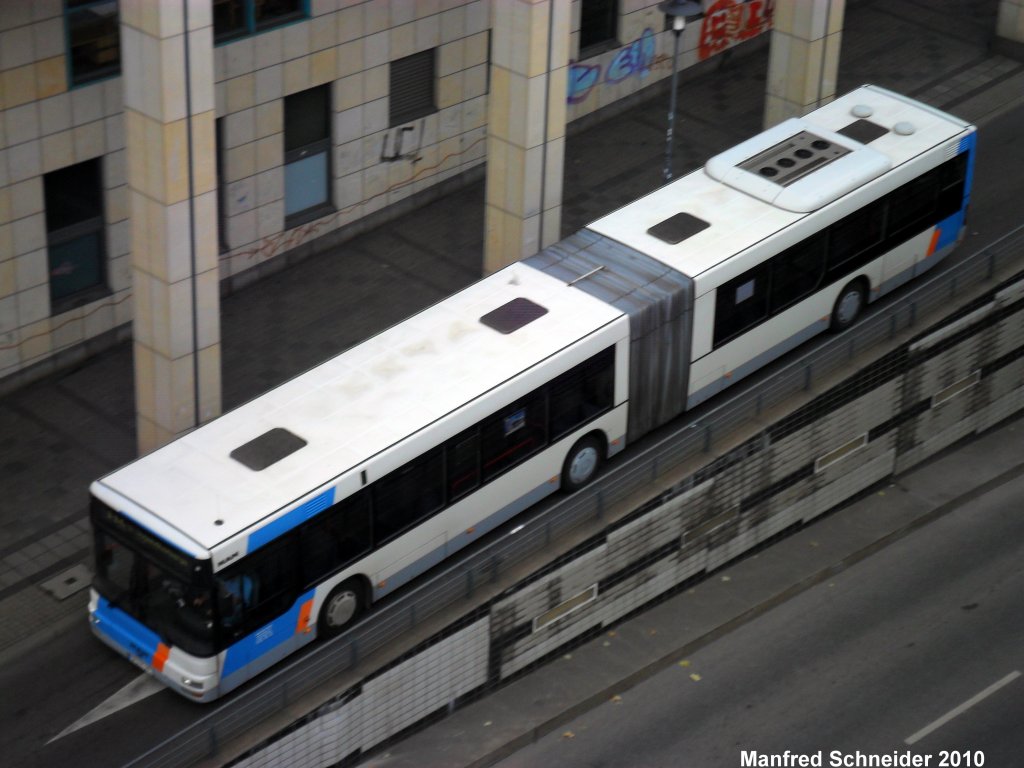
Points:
[(59, 434)]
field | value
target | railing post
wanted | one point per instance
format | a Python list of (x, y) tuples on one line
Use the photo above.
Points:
[(469, 582), (808, 376), (991, 263), (913, 314), (707, 438), (600, 504)]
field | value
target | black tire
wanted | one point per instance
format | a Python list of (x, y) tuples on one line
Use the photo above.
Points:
[(343, 605), (849, 304), (582, 463)]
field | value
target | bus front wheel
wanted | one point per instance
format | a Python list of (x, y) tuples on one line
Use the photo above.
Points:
[(848, 306), (582, 463), (342, 606)]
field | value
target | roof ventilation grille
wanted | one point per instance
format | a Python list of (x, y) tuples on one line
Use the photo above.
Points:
[(794, 158)]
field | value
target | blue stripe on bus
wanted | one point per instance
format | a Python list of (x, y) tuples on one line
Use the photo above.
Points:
[(290, 520), (949, 230), (967, 144), (125, 632), (265, 639)]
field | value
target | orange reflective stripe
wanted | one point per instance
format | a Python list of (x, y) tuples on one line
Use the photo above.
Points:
[(304, 611), (934, 242), (160, 657)]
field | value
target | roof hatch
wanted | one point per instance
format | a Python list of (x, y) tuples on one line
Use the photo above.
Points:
[(675, 229), (513, 315), (267, 449)]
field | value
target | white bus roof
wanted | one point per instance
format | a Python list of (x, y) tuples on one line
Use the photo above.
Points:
[(743, 207), (355, 405)]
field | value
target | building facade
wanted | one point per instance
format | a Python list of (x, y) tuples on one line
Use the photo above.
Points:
[(330, 115)]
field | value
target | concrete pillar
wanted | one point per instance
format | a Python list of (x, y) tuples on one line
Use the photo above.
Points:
[(1009, 39), (804, 57), (167, 61), (525, 128)]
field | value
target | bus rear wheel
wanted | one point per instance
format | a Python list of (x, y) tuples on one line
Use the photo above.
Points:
[(582, 463), (848, 306), (343, 606)]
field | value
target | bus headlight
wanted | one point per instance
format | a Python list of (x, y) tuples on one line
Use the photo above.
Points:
[(194, 684)]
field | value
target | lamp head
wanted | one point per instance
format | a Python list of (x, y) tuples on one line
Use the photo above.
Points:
[(680, 9)]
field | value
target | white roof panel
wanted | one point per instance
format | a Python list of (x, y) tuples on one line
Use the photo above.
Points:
[(744, 208), (357, 404)]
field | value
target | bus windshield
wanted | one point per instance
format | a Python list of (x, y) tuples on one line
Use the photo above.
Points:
[(164, 589)]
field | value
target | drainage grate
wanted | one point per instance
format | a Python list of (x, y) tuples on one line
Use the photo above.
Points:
[(69, 582)]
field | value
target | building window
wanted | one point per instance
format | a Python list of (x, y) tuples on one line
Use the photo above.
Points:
[(94, 40), (412, 82), (307, 153), (237, 18), (74, 234), (598, 26)]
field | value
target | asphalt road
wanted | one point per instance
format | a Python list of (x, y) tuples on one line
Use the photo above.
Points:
[(919, 643), (62, 680)]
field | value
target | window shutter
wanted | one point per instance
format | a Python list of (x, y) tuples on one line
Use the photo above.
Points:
[(412, 88)]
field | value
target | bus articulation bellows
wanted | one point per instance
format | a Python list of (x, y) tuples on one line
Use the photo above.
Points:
[(282, 520)]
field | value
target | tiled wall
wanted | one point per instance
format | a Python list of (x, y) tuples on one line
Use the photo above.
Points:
[(45, 125), (348, 45)]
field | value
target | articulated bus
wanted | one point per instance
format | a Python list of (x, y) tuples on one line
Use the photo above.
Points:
[(281, 521)]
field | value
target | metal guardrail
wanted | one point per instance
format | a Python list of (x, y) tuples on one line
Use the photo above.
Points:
[(460, 580)]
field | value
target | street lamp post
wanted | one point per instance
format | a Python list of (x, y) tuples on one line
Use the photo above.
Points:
[(678, 10)]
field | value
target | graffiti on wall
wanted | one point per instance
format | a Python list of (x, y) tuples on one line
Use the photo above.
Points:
[(727, 22), (634, 60), (391, 144)]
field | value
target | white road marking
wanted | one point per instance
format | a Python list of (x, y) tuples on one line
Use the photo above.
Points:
[(962, 708), (140, 688)]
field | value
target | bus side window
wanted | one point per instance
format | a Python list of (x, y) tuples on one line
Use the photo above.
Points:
[(409, 494), (741, 303), (581, 393), (335, 538), (463, 464), (952, 177), (513, 434), (852, 240), (796, 272), (912, 207)]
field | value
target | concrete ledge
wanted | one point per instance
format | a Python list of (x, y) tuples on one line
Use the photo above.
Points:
[(1004, 46)]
